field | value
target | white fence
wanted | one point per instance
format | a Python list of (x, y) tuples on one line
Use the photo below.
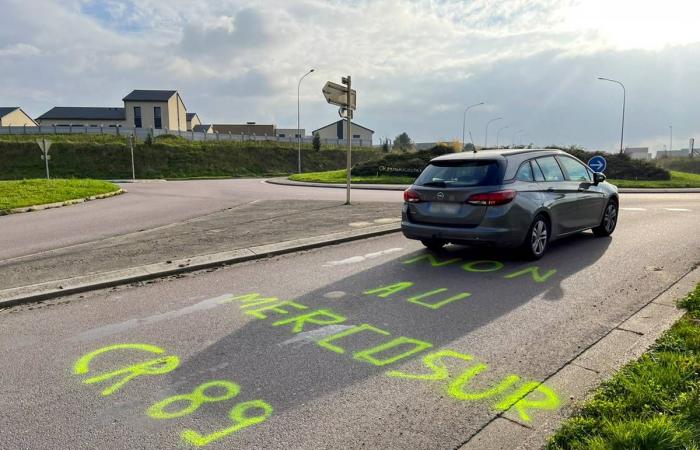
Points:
[(142, 133)]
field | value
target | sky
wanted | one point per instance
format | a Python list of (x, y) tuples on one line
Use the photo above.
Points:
[(416, 64)]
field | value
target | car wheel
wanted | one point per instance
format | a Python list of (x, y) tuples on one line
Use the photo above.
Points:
[(609, 222), (537, 238), (433, 244)]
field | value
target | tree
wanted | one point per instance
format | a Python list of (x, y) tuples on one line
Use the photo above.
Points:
[(385, 145), (469, 147), (403, 142), (316, 142)]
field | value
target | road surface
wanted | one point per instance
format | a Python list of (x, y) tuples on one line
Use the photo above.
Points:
[(368, 344)]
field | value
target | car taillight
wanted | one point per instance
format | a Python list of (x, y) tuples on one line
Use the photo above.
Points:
[(410, 196), (492, 198)]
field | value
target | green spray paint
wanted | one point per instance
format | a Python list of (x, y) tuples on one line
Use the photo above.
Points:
[(317, 317), (433, 261), (277, 308), (237, 416), (385, 291), (366, 355), (518, 400), (534, 271), (456, 388), (158, 366), (473, 266), (434, 362), (326, 342), (194, 400), (252, 298), (417, 299)]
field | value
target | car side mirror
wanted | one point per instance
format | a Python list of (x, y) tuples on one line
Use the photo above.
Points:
[(598, 177)]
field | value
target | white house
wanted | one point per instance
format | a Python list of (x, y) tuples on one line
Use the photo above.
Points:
[(339, 130), (637, 152)]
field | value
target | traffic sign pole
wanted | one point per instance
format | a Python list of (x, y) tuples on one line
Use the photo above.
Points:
[(44, 145), (348, 166), (133, 167)]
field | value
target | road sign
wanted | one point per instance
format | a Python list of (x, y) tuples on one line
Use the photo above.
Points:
[(337, 94), (45, 145), (597, 163)]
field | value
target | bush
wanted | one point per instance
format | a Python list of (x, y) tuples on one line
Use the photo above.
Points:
[(401, 164), (621, 166), (688, 165)]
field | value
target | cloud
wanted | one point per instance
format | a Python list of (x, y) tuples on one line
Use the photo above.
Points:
[(19, 49)]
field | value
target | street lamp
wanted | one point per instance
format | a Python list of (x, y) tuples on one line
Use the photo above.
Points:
[(624, 98), (299, 119), (464, 121), (498, 134), (512, 141), (486, 135), (670, 139)]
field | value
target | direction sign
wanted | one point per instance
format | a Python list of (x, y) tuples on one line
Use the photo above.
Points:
[(337, 94), (597, 163)]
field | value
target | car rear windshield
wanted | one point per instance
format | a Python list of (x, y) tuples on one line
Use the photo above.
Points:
[(460, 174)]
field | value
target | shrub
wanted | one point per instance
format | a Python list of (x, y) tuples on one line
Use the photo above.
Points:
[(401, 164), (621, 166), (689, 165)]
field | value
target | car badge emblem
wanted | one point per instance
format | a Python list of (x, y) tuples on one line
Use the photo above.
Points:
[(440, 195)]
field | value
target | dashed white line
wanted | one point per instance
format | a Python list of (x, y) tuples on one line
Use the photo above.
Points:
[(633, 209), (357, 259), (677, 209)]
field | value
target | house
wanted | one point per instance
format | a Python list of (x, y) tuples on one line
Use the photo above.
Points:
[(81, 116), (155, 109), (13, 116), (247, 129), (637, 152), (290, 132), (202, 128), (685, 153), (192, 120), (338, 130)]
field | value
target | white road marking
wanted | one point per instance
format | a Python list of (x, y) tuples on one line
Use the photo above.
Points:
[(633, 209), (388, 220), (359, 224), (307, 337), (676, 209), (357, 259), (334, 294)]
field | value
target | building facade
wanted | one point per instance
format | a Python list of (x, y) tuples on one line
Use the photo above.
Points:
[(339, 130), (155, 109), (13, 116), (290, 133), (192, 121), (637, 152), (80, 116), (247, 129)]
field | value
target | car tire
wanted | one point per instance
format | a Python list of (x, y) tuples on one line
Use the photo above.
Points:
[(433, 244), (609, 221), (537, 238)]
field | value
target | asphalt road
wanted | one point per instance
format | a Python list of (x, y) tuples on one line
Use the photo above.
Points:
[(294, 390), (146, 206)]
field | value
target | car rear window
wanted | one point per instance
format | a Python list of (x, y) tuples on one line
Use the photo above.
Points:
[(460, 174)]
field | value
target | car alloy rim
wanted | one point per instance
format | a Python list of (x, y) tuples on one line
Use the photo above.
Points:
[(610, 218), (539, 237)]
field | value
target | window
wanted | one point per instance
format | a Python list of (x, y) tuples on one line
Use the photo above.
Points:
[(536, 171), (460, 173), (575, 170), (157, 122), (281, 135), (356, 136), (550, 169), (524, 172), (137, 117)]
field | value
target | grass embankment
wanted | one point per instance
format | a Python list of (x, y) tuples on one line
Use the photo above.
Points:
[(678, 180), (652, 403), (339, 176), (109, 158), (18, 194)]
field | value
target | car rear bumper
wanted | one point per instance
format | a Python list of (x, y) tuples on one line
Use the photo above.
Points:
[(480, 235)]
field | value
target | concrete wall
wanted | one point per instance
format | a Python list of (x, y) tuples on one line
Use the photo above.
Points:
[(17, 118), (80, 123)]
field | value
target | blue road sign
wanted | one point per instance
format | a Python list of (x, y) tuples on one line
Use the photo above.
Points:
[(597, 163)]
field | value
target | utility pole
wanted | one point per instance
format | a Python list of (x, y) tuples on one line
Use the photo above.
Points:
[(348, 167), (486, 134), (299, 119), (670, 139), (624, 100), (464, 122)]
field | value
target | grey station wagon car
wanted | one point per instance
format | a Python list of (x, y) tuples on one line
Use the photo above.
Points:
[(508, 198)]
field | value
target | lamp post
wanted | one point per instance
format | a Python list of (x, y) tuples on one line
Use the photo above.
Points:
[(498, 134), (464, 121), (624, 99), (486, 135), (670, 139), (512, 141), (299, 119)]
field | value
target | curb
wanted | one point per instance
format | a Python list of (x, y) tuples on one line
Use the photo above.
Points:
[(24, 209), (576, 379), (59, 288), (402, 187)]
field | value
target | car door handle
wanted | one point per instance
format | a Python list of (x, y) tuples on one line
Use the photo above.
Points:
[(550, 189)]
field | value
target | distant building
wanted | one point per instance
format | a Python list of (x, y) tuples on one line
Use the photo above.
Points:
[(637, 152), (81, 116), (13, 116), (155, 109), (202, 128), (192, 120), (424, 145), (338, 130), (247, 129), (290, 132), (684, 153)]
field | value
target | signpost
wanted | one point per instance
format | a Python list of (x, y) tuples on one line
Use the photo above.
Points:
[(131, 146), (44, 145), (691, 146), (597, 163), (344, 96)]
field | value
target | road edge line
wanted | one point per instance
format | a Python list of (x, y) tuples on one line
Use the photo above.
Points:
[(59, 288)]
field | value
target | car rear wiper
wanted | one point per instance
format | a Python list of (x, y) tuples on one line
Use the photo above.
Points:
[(435, 183)]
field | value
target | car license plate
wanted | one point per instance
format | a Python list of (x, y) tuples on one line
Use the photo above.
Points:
[(444, 208)]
